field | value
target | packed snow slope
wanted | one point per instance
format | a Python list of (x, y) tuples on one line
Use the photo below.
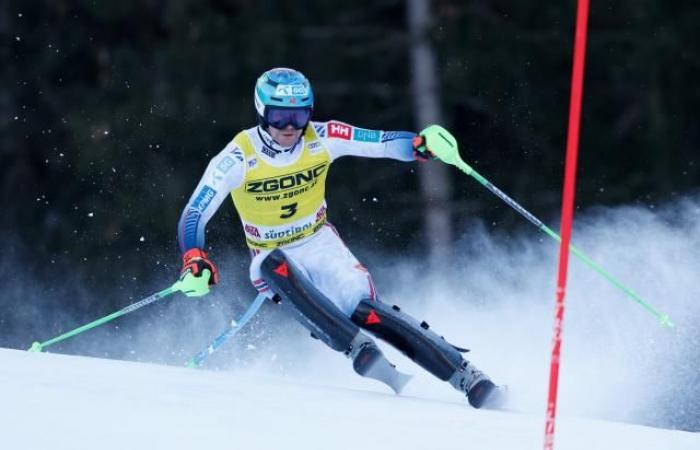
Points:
[(55, 402)]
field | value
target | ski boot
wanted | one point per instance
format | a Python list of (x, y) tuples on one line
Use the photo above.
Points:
[(369, 361), (480, 390)]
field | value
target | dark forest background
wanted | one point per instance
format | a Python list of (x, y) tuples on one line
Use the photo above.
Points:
[(111, 111)]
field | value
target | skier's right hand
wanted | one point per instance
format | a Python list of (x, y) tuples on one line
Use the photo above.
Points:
[(198, 273)]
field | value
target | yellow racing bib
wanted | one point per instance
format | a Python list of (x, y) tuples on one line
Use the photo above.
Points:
[(282, 205)]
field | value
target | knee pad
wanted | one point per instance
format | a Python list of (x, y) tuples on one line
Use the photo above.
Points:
[(409, 336), (309, 306)]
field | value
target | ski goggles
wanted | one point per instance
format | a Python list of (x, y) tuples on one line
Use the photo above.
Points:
[(281, 117)]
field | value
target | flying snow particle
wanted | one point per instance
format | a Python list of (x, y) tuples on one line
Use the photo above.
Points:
[(142, 239), (91, 214)]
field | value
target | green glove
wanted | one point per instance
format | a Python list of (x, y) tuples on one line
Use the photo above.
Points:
[(193, 286), (197, 274), (439, 143)]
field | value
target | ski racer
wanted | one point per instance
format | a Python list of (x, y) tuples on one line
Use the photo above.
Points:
[(276, 174)]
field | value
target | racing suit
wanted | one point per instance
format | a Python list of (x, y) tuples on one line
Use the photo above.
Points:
[(280, 198)]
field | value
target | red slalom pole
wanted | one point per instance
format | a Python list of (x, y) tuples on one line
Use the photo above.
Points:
[(567, 212)]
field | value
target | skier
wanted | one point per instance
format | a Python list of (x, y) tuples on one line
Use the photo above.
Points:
[(276, 174)]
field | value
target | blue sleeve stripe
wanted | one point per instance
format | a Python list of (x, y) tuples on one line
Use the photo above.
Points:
[(394, 135), (188, 231)]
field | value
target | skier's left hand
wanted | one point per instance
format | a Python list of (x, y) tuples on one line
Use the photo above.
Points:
[(420, 149), (435, 142)]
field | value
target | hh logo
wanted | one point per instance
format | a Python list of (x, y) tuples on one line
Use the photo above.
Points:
[(339, 130)]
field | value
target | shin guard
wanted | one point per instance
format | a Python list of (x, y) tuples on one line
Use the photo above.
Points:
[(309, 306), (411, 337), (326, 322)]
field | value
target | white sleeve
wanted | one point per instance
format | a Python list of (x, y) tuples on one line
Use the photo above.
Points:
[(342, 139), (224, 173)]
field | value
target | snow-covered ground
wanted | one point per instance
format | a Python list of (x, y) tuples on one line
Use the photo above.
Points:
[(54, 402), (276, 388)]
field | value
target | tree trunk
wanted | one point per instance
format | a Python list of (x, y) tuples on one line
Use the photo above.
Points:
[(435, 187)]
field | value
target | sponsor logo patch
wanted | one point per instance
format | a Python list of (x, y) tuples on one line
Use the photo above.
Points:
[(201, 202), (288, 90), (285, 236), (253, 231), (314, 147), (320, 129), (269, 152), (238, 153), (283, 183), (364, 135), (339, 130), (226, 164)]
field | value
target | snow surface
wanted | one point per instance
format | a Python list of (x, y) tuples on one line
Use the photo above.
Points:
[(278, 388), (56, 402)]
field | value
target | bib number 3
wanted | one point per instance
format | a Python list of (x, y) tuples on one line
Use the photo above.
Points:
[(290, 210)]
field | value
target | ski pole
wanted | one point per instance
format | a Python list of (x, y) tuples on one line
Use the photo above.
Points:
[(449, 154), (198, 359), (39, 346)]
